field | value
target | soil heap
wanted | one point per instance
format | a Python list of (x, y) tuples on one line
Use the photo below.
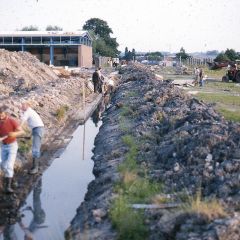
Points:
[(183, 144)]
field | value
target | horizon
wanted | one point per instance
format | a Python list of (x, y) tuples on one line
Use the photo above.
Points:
[(197, 26)]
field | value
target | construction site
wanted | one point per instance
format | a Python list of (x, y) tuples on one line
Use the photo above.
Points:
[(158, 157)]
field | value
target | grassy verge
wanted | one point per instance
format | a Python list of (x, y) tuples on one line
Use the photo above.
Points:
[(233, 115), (220, 98), (226, 105), (232, 87), (133, 188)]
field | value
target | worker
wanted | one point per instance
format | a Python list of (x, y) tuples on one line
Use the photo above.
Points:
[(35, 123), (9, 131), (196, 75), (101, 80), (96, 80), (200, 76)]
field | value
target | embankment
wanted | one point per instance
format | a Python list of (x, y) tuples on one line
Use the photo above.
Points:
[(177, 142)]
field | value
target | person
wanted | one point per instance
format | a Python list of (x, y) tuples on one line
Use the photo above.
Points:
[(203, 80), (200, 76), (9, 131), (101, 80), (96, 80), (34, 122), (196, 73)]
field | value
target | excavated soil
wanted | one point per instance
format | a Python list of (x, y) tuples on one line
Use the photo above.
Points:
[(184, 144)]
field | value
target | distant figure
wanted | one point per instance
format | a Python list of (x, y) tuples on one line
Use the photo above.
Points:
[(203, 80), (35, 123), (200, 76), (9, 131), (101, 80), (196, 75), (96, 80)]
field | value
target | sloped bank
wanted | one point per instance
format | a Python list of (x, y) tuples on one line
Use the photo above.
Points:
[(59, 101), (184, 145)]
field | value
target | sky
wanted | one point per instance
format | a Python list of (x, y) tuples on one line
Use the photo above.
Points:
[(145, 25)]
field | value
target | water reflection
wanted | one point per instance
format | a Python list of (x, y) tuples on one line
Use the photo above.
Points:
[(9, 232), (38, 214), (50, 207), (97, 114)]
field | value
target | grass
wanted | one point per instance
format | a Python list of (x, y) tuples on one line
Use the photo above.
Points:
[(132, 188), (230, 114), (211, 209), (219, 98), (223, 86), (218, 73), (24, 146), (126, 111), (128, 222), (227, 105), (61, 112)]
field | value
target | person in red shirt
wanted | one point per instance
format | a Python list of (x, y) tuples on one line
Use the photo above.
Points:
[(9, 131)]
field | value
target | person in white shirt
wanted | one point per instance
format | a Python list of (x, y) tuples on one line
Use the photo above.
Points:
[(34, 122)]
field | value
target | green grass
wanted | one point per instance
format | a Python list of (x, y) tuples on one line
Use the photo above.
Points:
[(220, 98), (130, 162), (230, 115), (218, 73), (24, 145), (129, 223), (232, 87), (227, 105), (132, 188)]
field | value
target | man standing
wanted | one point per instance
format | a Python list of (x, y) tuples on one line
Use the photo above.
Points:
[(96, 80), (9, 131), (36, 124)]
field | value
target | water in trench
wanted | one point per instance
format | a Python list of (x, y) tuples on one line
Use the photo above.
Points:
[(52, 203)]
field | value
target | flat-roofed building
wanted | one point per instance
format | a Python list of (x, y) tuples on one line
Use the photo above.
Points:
[(59, 48)]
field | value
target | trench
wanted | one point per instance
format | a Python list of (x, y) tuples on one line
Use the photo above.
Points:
[(52, 203)]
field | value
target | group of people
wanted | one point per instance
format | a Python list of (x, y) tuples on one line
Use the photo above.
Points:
[(199, 78), (10, 130)]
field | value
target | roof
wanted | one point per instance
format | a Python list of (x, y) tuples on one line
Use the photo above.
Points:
[(44, 33)]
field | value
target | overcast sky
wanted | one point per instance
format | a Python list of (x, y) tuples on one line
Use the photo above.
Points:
[(146, 25)]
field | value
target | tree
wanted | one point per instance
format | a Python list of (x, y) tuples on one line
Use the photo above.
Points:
[(99, 27), (103, 43), (30, 28), (228, 55), (154, 56), (182, 54), (222, 57), (231, 54), (53, 28)]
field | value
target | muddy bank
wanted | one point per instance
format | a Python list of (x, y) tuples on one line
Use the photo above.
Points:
[(184, 144), (58, 100)]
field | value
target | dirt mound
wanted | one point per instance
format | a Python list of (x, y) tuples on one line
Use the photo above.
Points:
[(21, 71), (183, 144)]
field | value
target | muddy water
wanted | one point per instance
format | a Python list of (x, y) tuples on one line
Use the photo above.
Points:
[(52, 204)]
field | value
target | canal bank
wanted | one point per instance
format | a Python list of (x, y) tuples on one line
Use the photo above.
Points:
[(10, 204), (50, 206), (165, 152)]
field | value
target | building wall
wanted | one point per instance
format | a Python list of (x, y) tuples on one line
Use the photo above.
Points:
[(84, 56)]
